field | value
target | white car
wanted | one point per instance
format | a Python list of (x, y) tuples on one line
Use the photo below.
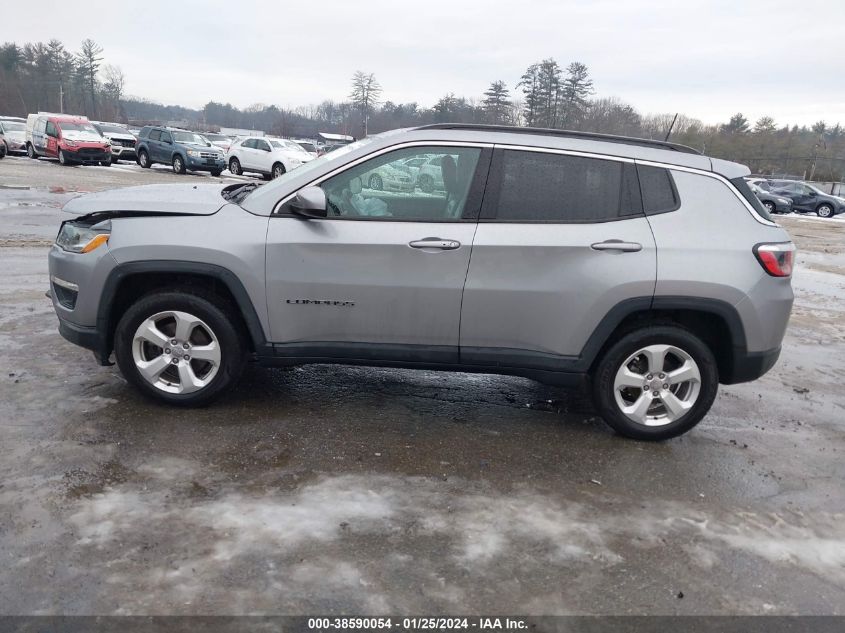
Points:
[(219, 140), (269, 157), (296, 148), (14, 134), (308, 146)]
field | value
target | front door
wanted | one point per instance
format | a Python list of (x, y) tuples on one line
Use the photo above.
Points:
[(51, 140), (561, 240), (381, 277)]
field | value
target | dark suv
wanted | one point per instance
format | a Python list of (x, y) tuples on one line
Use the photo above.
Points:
[(182, 149), (807, 198)]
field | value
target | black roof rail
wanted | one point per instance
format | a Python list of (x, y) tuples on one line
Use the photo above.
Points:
[(542, 131)]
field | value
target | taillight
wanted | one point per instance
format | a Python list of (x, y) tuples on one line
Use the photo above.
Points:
[(776, 259)]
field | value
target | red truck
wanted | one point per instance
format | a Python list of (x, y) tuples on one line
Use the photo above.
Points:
[(71, 139)]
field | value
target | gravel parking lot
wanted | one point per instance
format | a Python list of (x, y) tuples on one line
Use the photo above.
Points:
[(329, 489)]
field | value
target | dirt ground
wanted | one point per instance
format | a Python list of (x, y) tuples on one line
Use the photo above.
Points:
[(330, 489)]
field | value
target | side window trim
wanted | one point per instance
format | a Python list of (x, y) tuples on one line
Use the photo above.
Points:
[(472, 206), (490, 205)]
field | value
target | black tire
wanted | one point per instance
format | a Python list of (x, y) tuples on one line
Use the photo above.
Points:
[(3, 150), (604, 374), (770, 206), (144, 159), (426, 183), (824, 210), (216, 173), (375, 182), (63, 159), (235, 167), (178, 164), (106, 163), (214, 312), (277, 170), (30, 151)]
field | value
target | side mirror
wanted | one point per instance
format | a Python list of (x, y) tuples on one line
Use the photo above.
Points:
[(309, 202)]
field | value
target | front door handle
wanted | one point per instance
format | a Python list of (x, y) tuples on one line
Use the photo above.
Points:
[(617, 245), (435, 242)]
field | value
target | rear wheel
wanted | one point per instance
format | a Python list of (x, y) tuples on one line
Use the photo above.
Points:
[(770, 206), (180, 347), (824, 210), (178, 164), (655, 383), (144, 159), (235, 167)]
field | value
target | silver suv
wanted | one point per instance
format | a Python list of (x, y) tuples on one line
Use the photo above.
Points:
[(641, 270)]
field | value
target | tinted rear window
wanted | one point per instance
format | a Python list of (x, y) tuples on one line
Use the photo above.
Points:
[(746, 192), (540, 187), (657, 189)]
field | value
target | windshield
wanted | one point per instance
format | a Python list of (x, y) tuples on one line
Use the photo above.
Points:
[(13, 126), (189, 137), (276, 144), (112, 129), (216, 137), (308, 147), (78, 127)]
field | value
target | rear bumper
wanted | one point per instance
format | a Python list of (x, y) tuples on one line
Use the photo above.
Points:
[(747, 366)]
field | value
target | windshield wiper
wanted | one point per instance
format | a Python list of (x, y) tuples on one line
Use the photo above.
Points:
[(238, 193)]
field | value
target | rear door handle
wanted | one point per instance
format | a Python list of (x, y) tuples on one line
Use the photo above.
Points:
[(617, 245), (435, 242)]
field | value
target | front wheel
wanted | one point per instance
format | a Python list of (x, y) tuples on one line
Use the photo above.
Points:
[(655, 383), (30, 151), (63, 160), (278, 170), (180, 347), (143, 159), (824, 211), (178, 164), (235, 167), (770, 206)]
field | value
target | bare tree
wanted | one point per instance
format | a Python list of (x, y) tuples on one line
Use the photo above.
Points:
[(365, 93)]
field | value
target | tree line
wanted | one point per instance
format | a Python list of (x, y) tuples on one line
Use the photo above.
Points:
[(39, 76)]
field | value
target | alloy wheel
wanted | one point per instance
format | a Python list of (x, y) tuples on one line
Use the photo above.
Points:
[(176, 352), (656, 385), (825, 211)]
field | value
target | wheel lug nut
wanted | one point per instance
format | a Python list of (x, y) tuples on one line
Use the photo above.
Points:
[(175, 361), (665, 386), (645, 388), (186, 346), (649, 376), (662, 376), (173, 342), (654, 394), (186, 357), (166, 350)]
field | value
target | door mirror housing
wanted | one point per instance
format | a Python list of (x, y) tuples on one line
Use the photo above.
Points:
[(309, 202)]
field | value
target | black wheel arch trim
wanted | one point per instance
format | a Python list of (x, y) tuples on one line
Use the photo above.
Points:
[(120, 272)]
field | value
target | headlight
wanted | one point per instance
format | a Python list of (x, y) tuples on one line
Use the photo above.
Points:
[(70, 143), (783, 200), (83, 239), (194, 153)]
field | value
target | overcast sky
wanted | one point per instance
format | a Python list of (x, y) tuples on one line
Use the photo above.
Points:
[(707, 59)]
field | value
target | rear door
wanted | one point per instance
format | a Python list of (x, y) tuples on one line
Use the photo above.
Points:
[(382, 276), (561, 240), (164, 147)]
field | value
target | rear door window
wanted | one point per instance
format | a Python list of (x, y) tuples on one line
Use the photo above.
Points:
[(155, 135), (557, 188)]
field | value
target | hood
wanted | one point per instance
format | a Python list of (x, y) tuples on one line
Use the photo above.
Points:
[(152, 199), (119, 136), (16, 135), (83, 136)]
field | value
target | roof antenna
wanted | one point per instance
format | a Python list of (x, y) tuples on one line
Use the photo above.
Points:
[(670, 128)]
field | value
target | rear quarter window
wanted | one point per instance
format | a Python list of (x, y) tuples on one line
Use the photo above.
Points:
[(658, 190), (742, 186)]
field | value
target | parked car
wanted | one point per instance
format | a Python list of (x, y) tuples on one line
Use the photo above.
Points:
[(596, 261), (181, 149), (219, 140), (309, 147), (266, 156), (14, 135), (429, 174), (122, 140), (296, 148), (3, 150), (807, 198), (774, 203), (389, 177), (71, 139)]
